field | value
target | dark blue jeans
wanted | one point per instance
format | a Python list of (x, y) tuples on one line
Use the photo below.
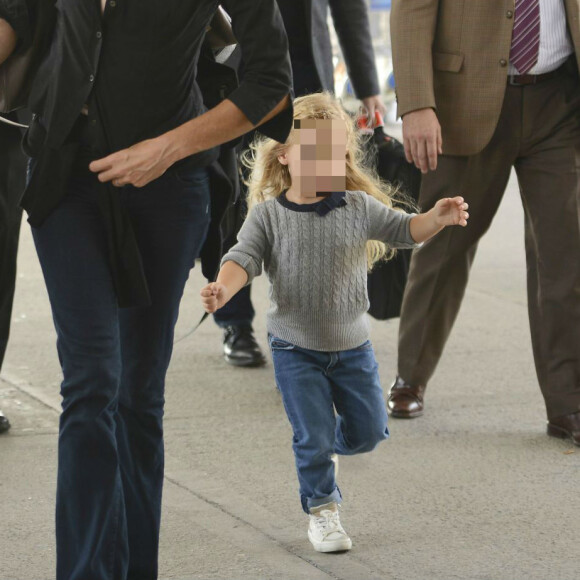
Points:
[(114, 361), (313, 384)]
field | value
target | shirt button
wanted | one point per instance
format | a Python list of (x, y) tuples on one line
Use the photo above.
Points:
[(92, 78), (503, 62), (93, 122), (509, 14), (99, 34), (112, 4)]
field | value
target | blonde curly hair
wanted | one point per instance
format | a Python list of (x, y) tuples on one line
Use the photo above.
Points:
[(268, 178)]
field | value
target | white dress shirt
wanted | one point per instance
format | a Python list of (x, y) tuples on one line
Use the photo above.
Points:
[(555, 43)]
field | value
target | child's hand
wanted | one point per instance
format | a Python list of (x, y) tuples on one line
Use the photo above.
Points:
[(213, 297), (451, 211)]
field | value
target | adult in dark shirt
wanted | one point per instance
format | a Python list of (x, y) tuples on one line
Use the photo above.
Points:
[(311, 57), (126, 233)]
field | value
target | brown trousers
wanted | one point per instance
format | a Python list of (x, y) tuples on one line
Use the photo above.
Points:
[(539, 135)]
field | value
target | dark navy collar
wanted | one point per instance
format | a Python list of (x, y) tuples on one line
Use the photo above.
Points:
[(322, 207)]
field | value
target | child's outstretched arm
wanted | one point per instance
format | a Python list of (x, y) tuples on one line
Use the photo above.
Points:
[(240, 265), (449, 211), (231, 279)]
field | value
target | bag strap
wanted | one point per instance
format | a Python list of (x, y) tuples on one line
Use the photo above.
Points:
[(12, 123)]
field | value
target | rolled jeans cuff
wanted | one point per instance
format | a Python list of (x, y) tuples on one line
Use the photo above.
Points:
[(313, 502)]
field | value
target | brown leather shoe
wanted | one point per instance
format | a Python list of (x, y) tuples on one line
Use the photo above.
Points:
[(405, 401), (566, 427)]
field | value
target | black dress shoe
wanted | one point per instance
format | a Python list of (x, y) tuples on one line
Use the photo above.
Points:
[(566, 427), (241, 348), (405, 401), (4, 423)]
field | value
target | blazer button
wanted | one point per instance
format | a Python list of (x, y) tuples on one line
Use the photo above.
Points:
[(509, 14), (503, 62)]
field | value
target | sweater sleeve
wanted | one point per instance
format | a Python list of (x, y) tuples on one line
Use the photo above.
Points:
[(251, 247), (389, 225)]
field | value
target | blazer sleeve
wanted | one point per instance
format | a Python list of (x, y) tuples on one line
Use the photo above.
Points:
[(413, 25), (351, 22)]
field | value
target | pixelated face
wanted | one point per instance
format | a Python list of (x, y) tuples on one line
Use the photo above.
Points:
[(317, 157)]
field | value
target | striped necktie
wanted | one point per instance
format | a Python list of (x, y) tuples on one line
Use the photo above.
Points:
[(526, 35)]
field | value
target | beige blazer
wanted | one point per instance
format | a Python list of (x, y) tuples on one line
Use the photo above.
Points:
[(452, 55)]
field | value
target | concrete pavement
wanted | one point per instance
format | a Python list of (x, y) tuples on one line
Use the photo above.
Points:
[(474, 490)]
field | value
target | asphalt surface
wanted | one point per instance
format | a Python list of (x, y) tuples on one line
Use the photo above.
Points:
[(473, 490)]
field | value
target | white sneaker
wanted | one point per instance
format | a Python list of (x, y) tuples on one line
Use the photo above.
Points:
[(325, 532)]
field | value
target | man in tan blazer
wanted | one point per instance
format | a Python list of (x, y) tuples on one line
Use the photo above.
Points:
[(483, 87)]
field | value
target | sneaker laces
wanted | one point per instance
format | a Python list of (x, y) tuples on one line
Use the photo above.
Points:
[(328, 521)]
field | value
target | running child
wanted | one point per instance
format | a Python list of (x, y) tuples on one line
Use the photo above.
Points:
[(318, 221)]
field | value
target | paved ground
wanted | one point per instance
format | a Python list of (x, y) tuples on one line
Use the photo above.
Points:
[(474, 490)]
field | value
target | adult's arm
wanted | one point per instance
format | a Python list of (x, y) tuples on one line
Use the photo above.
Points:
[(142, 163), (412, 36), (351, 22), (267, 78), (263, 96)]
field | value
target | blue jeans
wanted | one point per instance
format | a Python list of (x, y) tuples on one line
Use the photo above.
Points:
[(114, 361), (313, 384)]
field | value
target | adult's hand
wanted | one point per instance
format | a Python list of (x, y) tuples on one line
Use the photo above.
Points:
[(422, 139), (372, 104), (8, 40), (138, 165)]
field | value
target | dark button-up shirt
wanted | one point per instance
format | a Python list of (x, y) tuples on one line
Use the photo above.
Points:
[(139, 61)]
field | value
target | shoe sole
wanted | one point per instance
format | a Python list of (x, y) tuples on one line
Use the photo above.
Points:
[(404, 415), (242, 363), (560, 433), (335, 546)]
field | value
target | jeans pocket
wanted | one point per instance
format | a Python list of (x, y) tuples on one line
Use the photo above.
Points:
[(279, 344)]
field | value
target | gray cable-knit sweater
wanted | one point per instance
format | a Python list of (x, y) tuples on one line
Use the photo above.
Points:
[(317, 267)]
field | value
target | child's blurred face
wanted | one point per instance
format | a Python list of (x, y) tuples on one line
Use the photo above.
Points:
[(317, 157)]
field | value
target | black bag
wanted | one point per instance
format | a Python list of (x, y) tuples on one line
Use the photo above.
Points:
[(386, 282)]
